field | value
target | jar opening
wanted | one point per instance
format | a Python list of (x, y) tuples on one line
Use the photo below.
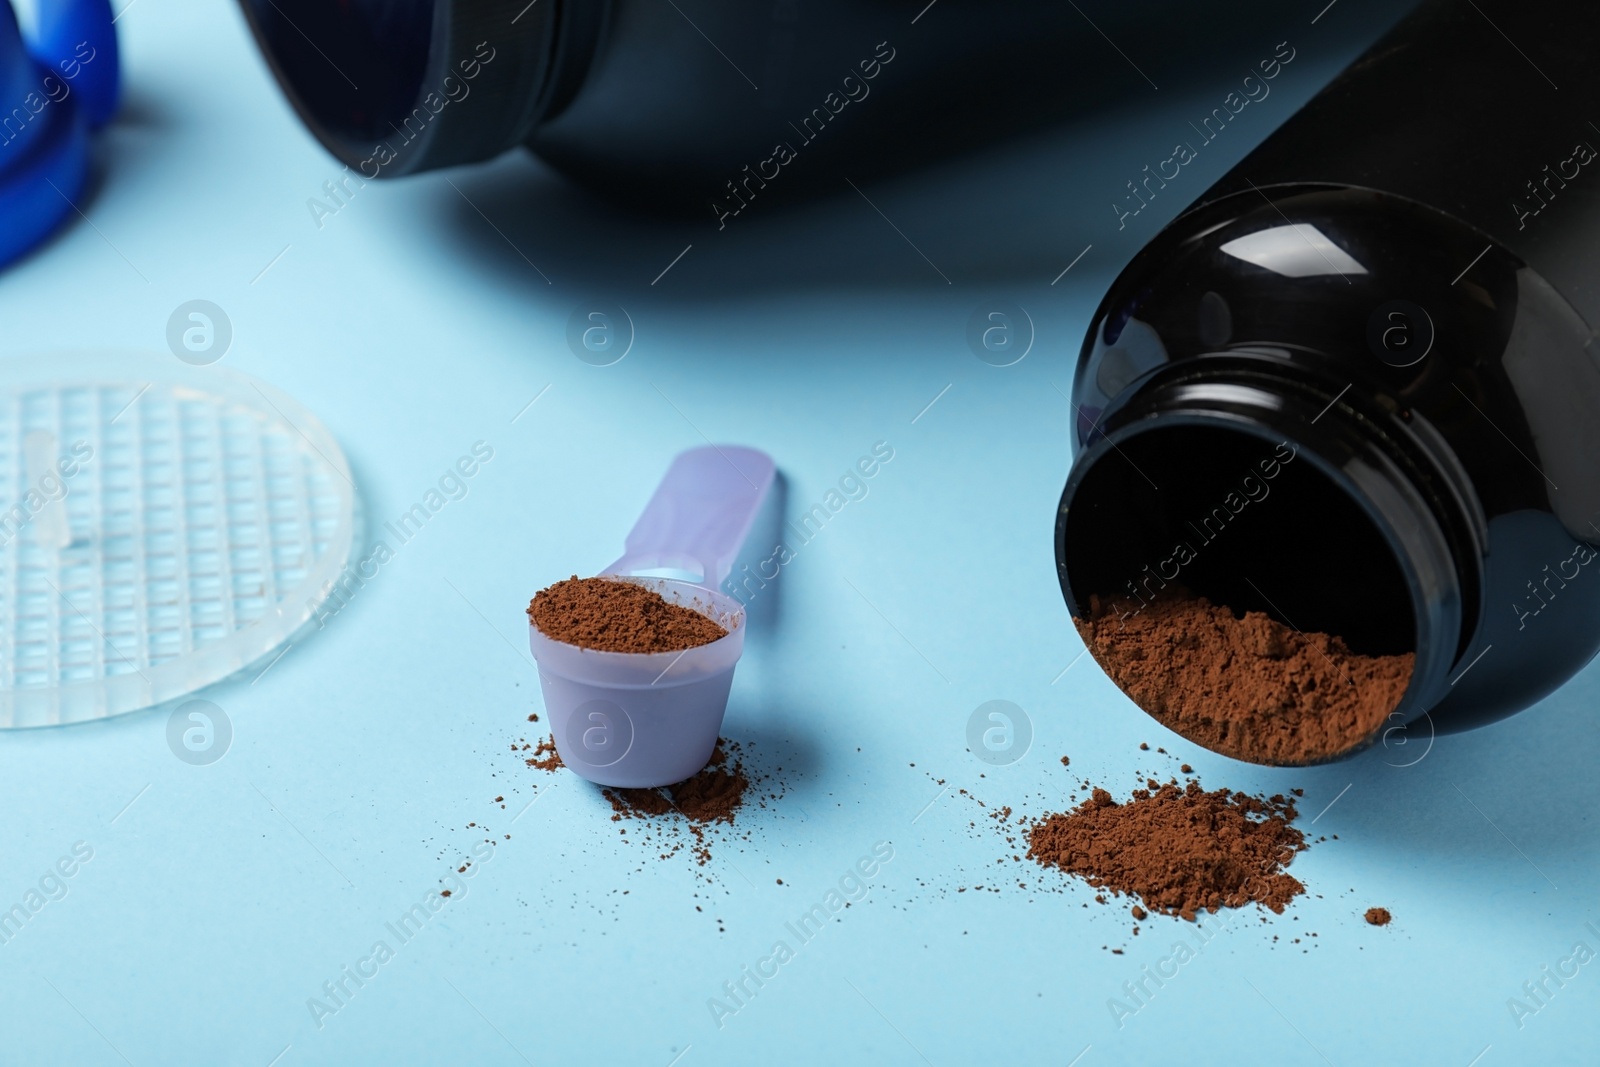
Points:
[(1241, 520), (356, 67)]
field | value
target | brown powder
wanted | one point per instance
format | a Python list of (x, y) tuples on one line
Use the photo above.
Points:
[(1251, 688), (1178, 849), (636, 803), (545, 757), (613, 616), (713, 795), (1378, 916)]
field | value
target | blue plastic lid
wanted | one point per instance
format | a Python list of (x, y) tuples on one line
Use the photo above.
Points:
[(52, 93)]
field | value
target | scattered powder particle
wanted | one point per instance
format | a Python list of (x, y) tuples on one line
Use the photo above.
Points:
[(1249, 687), (616, 616), (1179, 850), (1378, 916), (545, 757), (1143, 747), (1065, 762), (444, 892), (1139, 913), (1185, 768)]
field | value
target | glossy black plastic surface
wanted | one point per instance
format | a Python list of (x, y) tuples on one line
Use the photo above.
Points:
[(1446, 111), (703, 106)]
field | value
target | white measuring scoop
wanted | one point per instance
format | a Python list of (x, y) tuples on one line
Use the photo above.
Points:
[(635, 719)]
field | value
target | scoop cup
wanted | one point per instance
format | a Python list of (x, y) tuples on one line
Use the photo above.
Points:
[(639, 720)]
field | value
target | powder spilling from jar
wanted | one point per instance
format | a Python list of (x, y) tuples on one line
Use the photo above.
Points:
[(1178, 849), (616, 616), (1248, 687)]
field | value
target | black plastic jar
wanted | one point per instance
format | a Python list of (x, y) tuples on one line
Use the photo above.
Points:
[(705, 106), (1406, 302)]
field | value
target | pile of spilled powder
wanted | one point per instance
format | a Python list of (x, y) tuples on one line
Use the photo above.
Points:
[(677, 817), (1251, 688), (710, 796), (1378, 916), (615, 616), (1178, 849)]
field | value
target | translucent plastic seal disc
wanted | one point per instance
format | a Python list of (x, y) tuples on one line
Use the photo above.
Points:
[(161, 527)]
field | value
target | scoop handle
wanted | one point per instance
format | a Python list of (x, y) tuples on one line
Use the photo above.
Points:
[(700, 513)]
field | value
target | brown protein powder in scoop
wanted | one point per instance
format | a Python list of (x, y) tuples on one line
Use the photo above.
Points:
[(1178, 849), (1251, 688), (615, 616)]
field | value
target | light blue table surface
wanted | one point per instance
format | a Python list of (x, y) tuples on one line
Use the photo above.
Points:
[(422, 318)]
